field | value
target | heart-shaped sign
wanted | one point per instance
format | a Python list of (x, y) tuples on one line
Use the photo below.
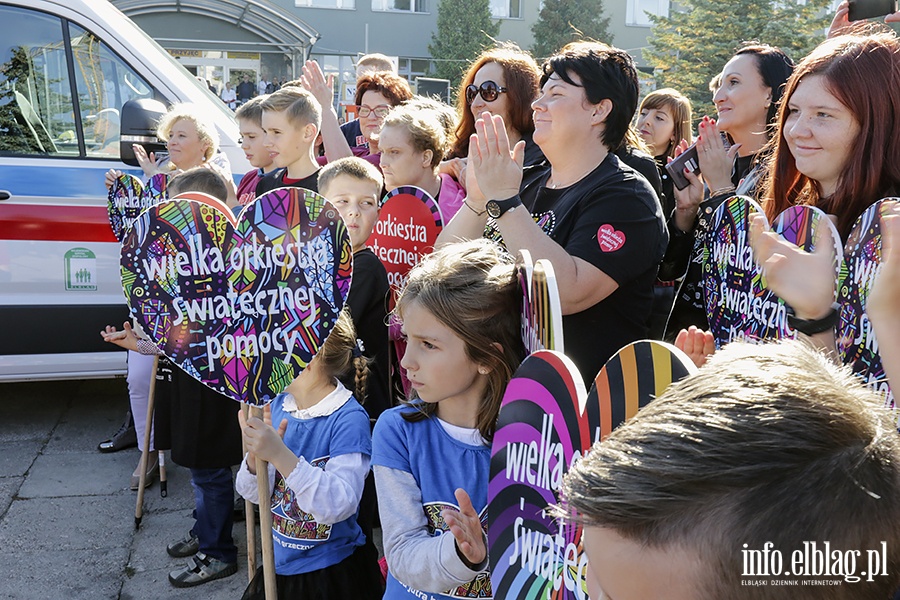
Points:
[(407, 228), (128, 198), (738, 303), (241, 305), (547, 422), (541, 309), (855, 338)]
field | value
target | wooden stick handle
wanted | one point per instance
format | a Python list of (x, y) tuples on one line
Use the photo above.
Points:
[(163, 481), (265, 521), (145, 454), (250, 520)]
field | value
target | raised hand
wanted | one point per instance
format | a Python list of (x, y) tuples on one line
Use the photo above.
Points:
[(716, 162), (315, 82), (465, 525), (806, 281), (696, 343), (840, 20), (497, 168), (148, 163)]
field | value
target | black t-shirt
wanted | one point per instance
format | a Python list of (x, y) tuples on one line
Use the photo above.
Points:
[(279, 179), (368, 301), (643, 164), (611, 219)]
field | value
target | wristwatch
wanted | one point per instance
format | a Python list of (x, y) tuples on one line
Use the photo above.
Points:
[(496, 208)]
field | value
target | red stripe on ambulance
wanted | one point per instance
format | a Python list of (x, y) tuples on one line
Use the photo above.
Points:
[(40, 222)]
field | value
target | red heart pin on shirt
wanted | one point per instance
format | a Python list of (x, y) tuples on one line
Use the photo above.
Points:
[(609, 238)]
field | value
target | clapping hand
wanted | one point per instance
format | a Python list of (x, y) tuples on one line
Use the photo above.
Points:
[(465, 525), (497, 168), (806, 281)]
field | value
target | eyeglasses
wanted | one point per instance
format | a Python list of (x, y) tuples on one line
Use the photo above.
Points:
[(489, 92), (381, 111)]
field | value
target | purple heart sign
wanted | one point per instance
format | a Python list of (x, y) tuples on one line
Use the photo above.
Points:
[(128, 197), (243, 305), (546, 424), (739, 305), (855, 338)]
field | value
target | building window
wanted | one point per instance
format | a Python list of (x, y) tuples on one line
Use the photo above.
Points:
[(506, 9), (418, 6), (636, 11), (410, 68), (326, 3)]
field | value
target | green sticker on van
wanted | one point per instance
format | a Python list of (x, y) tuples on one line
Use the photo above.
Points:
[(81, 270)]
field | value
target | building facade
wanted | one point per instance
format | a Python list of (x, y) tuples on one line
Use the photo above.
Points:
[(221, 40)]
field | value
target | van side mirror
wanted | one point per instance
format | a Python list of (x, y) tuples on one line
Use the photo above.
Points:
[(138, 126)]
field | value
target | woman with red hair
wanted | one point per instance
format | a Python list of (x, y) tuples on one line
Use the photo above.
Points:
[(503, 81), (376, 94), (837, 148)]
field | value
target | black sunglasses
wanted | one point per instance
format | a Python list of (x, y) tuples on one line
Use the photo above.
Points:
[(489, 92)]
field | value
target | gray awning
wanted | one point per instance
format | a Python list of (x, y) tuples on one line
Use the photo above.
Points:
[(261, 17)]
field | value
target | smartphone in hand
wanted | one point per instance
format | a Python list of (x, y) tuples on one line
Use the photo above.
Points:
[(868, 9), (688, 160)]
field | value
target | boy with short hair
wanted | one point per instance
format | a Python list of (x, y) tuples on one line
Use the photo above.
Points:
[(767, 448), (291, 118), (199, 179), (253, 137), (354, 187)]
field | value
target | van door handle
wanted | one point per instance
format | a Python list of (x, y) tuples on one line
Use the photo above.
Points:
[(4, 195)]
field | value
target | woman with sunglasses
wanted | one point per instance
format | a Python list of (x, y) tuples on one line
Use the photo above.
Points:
[(502, 81)]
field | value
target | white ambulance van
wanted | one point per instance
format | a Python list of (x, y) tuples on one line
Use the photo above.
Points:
[(67, 67)]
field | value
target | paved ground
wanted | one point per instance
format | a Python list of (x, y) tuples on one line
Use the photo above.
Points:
[(66, 513)]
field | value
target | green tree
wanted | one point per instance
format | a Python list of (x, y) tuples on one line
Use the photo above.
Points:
[(464, 29), (562, 21), (694, 42)]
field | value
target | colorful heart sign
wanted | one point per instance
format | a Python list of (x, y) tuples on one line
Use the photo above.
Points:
[(738, 303), (128, 197), (855, 338), (406, 230), (241, 305), (541, 309), (547, 422)]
